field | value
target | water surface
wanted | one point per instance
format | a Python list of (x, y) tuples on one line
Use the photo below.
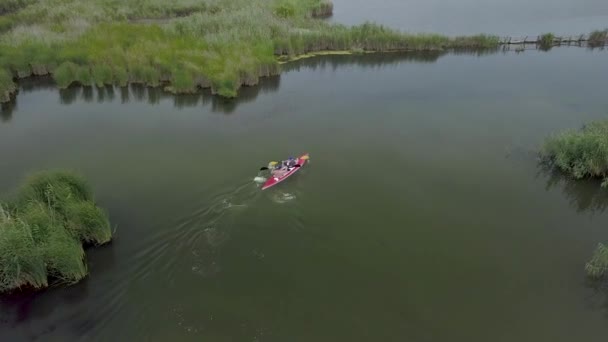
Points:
[(423, 215), (463, 17)]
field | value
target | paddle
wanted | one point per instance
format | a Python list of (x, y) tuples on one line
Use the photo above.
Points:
[(272, 163)]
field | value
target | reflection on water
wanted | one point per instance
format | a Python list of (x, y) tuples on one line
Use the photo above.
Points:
[(583, 195), (6, 110), (599, 298), (154, 95), (372, 60)]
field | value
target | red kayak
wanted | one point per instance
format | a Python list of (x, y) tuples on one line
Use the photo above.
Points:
[(276, 180)]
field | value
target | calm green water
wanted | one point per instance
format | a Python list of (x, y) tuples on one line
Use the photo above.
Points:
[(423, 215)]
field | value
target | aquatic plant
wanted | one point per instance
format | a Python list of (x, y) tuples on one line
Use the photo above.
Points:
[(598, 38), (580, 154), (545, 42), (42, 231), (597, 267)]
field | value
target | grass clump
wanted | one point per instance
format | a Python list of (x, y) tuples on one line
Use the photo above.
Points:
[(598, 38), (43, 229), (597, 267), (103, 75), (545, 42), (582, 153)]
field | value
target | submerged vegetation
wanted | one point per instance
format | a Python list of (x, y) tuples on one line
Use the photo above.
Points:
[(580, 154), (42, 231), (183, 44)]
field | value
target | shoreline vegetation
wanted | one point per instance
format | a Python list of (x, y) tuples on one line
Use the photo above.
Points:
[(185, 45), (43, 229)]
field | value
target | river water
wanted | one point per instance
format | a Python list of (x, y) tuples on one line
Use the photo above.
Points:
[(423, 215), (517, 18)]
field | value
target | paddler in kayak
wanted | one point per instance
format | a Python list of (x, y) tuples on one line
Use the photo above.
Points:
[(290, 163), (281, 169)]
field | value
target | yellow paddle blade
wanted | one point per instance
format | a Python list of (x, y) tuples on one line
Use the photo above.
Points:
[(273, 163), (306, 157)]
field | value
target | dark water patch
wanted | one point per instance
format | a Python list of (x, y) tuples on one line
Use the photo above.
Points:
[(6, 110), (584, 195)]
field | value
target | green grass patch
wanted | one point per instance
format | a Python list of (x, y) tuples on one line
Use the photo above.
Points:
[(580, 154), (42, 231), (545, 42)]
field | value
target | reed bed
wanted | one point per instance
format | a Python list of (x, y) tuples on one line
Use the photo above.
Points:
[(184, 45), (43, 229)]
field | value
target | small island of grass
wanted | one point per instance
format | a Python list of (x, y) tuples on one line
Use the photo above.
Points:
[(580, 154), (43, 229)]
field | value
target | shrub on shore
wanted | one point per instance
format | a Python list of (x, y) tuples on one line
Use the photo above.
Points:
[(42, 231)]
